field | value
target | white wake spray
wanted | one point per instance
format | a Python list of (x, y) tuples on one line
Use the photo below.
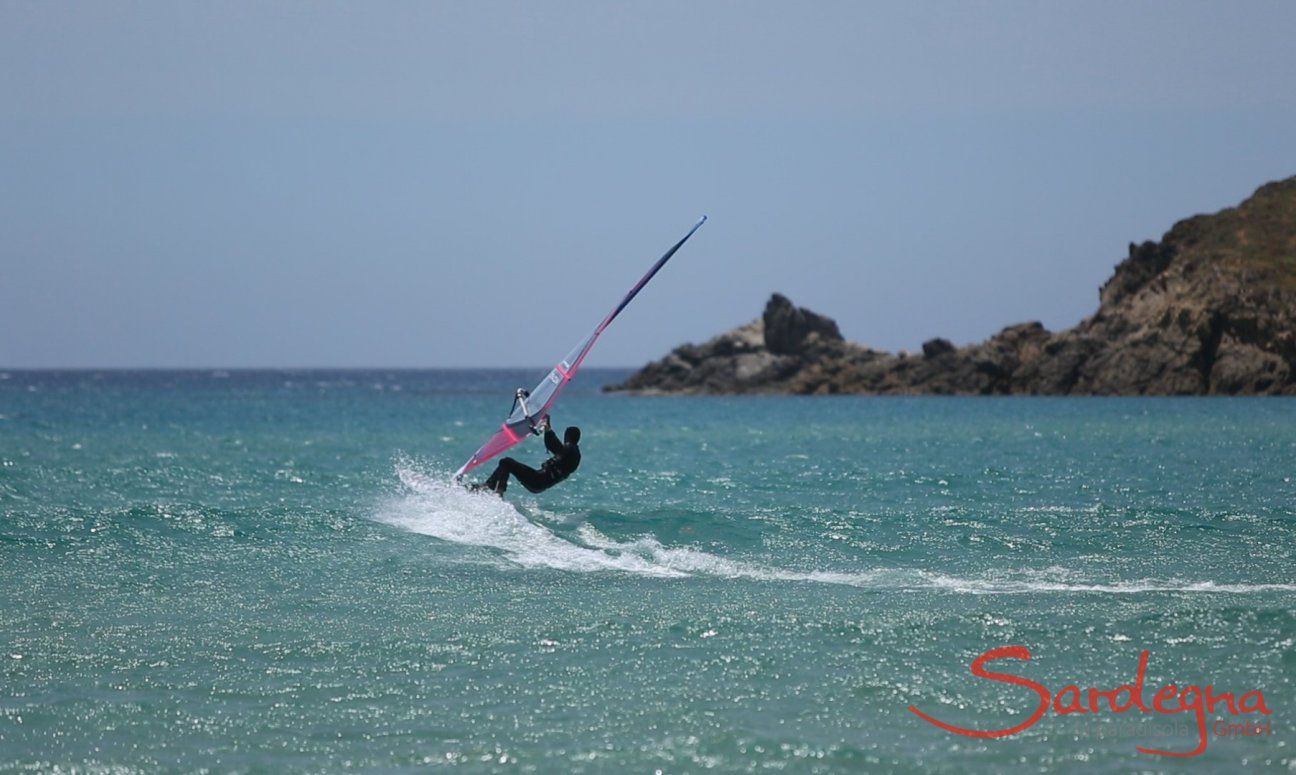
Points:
[(447, 511), (433, 506)]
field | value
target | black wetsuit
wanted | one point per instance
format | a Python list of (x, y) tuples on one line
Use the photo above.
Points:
[(565, 459)]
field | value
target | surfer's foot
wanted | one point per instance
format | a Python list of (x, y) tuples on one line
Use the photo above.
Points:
[(484, 487)]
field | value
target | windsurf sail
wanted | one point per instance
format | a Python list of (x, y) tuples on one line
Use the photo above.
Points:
[(529, 408)]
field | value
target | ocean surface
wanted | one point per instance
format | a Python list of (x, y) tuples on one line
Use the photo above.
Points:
[(268, 571)]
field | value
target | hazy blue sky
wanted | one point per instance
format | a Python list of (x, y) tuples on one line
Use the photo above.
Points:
[(469, 183)]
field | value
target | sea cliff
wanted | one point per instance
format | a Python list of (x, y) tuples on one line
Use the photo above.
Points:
[(1209, 309)]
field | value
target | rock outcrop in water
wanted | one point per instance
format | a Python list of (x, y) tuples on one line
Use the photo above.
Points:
[(1210, 309)]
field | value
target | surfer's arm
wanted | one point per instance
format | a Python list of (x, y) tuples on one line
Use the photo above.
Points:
[(552, 442)]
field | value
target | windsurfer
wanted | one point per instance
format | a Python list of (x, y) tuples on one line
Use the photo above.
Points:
[(564, 458)]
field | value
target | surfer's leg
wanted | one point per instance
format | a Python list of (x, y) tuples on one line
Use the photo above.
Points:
[(498, 480), (530, 478), (533, 480)]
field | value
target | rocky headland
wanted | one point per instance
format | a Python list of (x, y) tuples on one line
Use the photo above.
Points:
[(1210, 309)]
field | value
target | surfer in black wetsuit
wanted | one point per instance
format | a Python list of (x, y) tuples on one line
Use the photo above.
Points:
[(564, 458)]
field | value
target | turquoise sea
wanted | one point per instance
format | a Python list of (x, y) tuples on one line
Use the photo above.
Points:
[(267, 571)]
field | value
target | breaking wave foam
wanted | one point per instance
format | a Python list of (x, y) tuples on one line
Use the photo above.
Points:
[(436, 507)]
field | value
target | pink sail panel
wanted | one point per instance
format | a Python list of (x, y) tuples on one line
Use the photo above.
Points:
[(503, 439), (522, 419)]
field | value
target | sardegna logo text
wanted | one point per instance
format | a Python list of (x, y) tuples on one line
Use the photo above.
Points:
[(1168, 700)]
